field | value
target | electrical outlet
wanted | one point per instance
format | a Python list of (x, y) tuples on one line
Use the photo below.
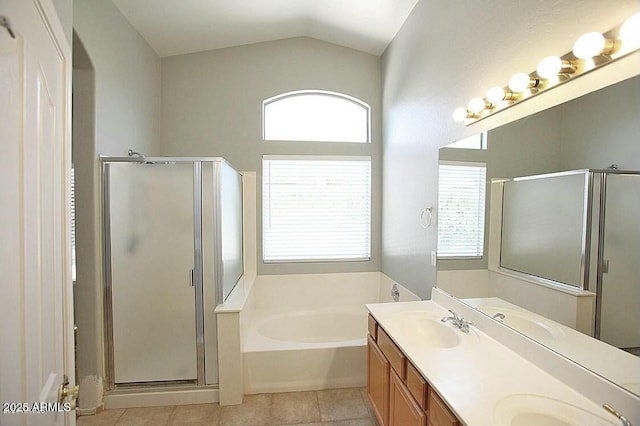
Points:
[(433, 258)]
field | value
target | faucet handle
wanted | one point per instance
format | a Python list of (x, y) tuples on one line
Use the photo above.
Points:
[(464, 325), (455, 316)]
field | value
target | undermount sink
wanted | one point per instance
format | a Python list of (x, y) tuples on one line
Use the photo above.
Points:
[(530, 325), (535, 410), (424, 326)]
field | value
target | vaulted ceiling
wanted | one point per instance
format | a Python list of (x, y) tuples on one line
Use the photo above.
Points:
[(176, 27)]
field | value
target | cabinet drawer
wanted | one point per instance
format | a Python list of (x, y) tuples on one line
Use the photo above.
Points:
[(394, 355), (373, 328), (417, 385), (439, 413)]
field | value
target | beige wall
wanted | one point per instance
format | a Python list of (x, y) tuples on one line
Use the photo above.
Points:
[(128, 75), (445, 54), (212, 106), (602, 129), (116, 107)]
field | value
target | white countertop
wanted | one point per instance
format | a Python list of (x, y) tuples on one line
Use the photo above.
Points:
[(604, 359), (478, 373)]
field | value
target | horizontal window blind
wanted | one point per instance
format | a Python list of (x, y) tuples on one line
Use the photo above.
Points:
[(461, 207), (316, 208)]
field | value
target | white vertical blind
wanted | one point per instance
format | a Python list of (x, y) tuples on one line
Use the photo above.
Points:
[(461, 206), (316, 208)]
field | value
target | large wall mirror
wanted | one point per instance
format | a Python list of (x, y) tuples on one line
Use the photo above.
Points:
[(528, 164)]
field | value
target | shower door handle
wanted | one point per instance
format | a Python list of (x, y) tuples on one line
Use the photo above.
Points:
[(191, 278)]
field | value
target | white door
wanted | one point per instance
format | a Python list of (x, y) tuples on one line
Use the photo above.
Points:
[(36, 328)]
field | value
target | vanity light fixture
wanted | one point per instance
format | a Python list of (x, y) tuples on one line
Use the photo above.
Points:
[(521, 81), (496, 95), (551, 66), (590, 51), (630, 33), (593, 44), (476, 105), (461, 114)]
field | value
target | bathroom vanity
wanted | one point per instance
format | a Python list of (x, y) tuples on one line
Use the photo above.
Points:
[(422, 372), (397, 391)]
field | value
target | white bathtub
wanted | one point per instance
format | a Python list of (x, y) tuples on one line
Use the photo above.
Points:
[(308, 332), (323, 326)]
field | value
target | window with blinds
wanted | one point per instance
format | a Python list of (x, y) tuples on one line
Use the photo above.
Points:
[(316, 208), (461, 209)]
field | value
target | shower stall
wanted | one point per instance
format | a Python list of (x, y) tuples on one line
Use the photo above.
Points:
[(172, 235), (580, 229)]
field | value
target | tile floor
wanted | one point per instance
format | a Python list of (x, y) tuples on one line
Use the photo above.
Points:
[(338, 407)]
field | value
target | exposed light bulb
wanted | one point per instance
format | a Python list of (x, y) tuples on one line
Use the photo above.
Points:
[(496, 95), (476, 105), (589, 64), (630, 33), (552, 81), (519, 82), (589, 45), (549, 67), (460, 114)]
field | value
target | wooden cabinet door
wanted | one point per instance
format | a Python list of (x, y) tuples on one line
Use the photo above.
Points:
[(439, 414), (403, 409), (378, 369)]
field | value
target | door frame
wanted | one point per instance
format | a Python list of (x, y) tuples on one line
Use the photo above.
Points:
[(19, 384), (56, 31)]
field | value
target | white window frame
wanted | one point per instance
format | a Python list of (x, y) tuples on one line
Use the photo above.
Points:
[(270, 259), (462, 143), (475, 251), (295, 93)]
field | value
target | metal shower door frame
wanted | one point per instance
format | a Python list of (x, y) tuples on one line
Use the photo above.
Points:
[(198, 262), (600, 268)]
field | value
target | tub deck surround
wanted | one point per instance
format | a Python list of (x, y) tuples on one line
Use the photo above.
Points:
[(231, 319), (308, 331), (478, 373), (306, 350), (260, 349)]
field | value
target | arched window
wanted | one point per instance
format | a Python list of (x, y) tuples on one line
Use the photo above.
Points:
[(316, 115)]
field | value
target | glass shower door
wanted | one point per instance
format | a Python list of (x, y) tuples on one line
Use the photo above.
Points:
[(151, 223), (619, 310)]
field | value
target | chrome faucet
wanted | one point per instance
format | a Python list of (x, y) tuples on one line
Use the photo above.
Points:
[(458, 322)]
